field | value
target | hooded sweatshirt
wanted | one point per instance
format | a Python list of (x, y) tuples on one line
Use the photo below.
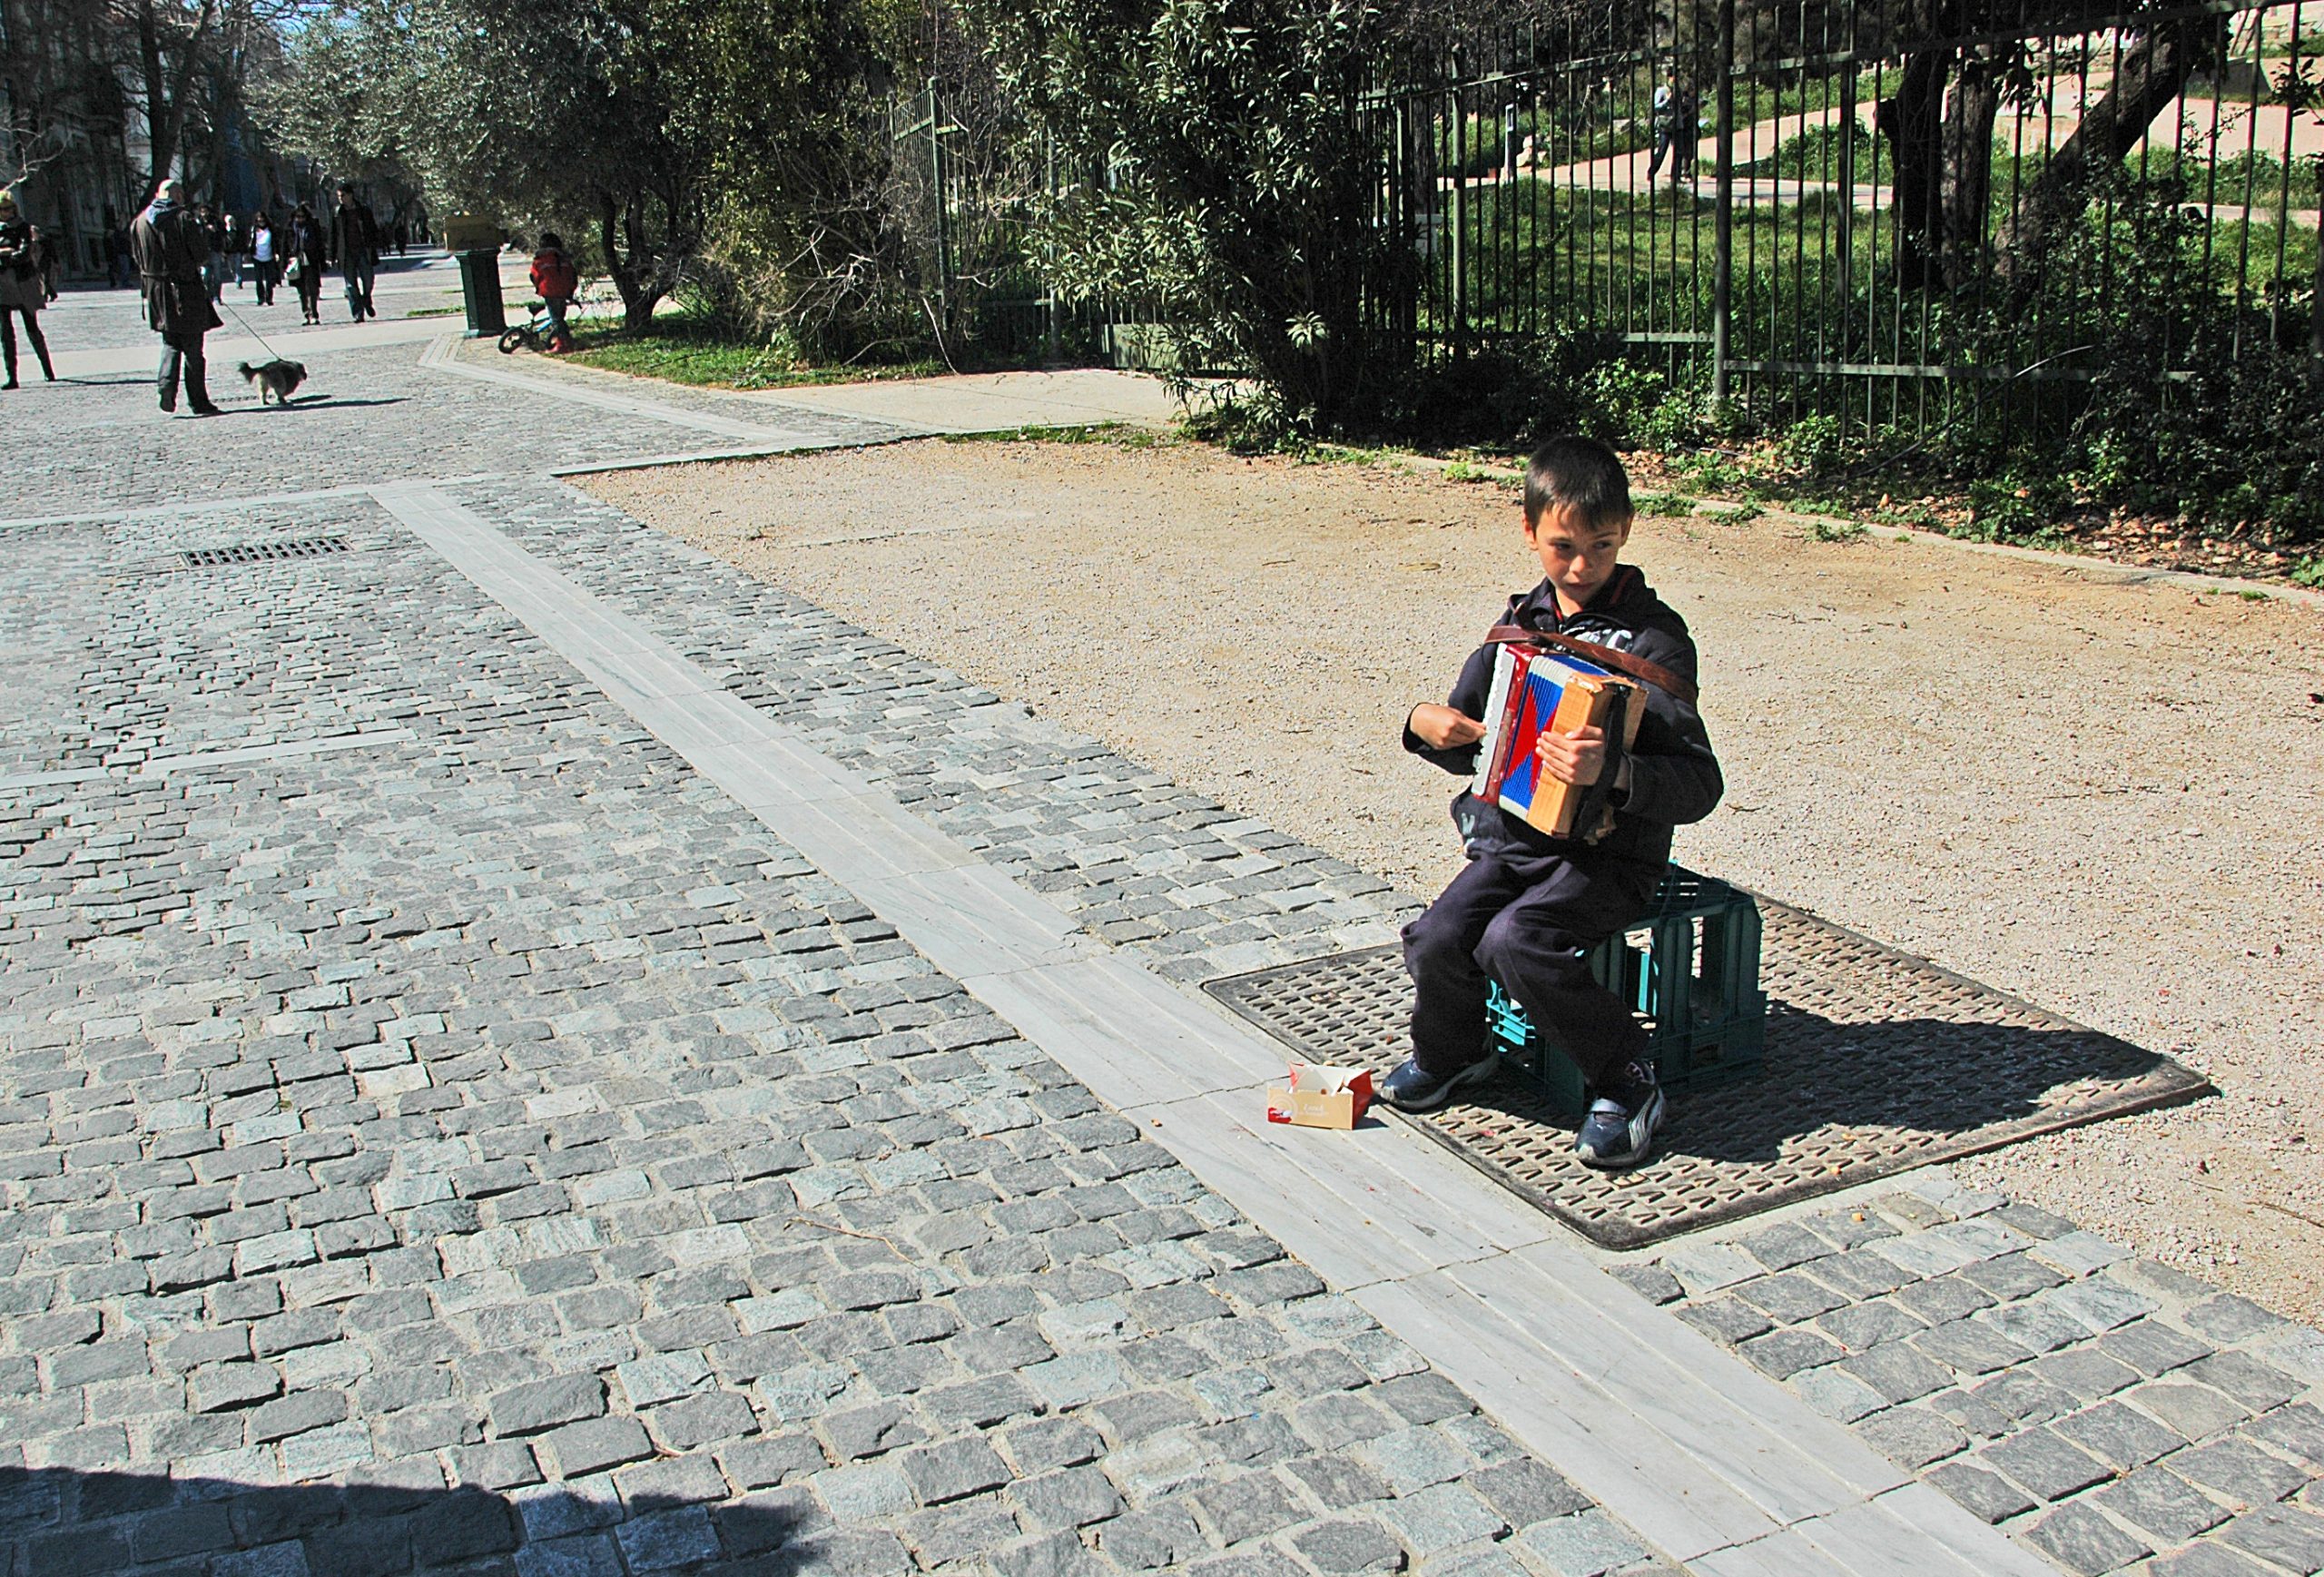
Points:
[(1674, 776)]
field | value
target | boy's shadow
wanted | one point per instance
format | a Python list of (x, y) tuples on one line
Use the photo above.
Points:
[(1913, 1076)]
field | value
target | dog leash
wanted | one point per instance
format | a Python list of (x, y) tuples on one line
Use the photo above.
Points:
[(254, 333)]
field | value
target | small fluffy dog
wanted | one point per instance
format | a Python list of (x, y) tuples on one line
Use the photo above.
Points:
[(278, 378)]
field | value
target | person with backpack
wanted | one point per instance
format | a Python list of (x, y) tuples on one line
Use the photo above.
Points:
[(355, 248), (556, 279)]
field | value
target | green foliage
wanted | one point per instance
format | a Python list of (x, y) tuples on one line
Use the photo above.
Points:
[(1674, 505), (2201, 405), (1816, 155), (644, 131), (703, 349), (1223, 181), (2310, 572), (1835, 531)]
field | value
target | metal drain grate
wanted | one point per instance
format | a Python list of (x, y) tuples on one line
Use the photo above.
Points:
[(1876, 1062), (262, 552)]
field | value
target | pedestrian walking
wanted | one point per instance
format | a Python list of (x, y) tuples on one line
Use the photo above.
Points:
[(266, 262), (213, 233), (355, 249), (170, 243), (238, 243), (310, 250), (1674, 132), (48, 261), (23, 289), (118, 260)]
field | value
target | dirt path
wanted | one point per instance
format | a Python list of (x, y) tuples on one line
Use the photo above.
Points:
[(2108, 799)]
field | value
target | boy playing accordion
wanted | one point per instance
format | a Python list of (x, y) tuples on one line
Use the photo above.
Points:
[(1530, 905)]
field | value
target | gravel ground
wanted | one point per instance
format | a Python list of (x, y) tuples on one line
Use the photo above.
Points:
[(2102, 798)]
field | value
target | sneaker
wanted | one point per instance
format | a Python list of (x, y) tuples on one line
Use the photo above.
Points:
[(1412, 1088), (1620, 1129)]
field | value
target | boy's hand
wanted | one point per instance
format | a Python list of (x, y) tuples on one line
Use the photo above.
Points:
[(1444, 727), (1577, 758)]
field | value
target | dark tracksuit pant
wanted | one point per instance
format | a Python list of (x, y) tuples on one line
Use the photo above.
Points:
[(182, 354), (1528, 921)]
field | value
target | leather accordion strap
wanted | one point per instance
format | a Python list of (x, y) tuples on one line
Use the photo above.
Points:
[(1654, 673)]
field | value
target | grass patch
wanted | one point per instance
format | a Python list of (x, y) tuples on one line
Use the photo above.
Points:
[(435, 311), (681, 349), (1675, 505), (1834, 530), (1120, 434)]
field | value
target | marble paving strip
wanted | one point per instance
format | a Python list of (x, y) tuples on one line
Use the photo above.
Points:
[(1719, 1466)]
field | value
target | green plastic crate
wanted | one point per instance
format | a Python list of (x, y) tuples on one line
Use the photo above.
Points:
[(1690, 969)]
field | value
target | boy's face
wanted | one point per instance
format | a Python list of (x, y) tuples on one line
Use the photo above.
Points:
[(1578, 554)]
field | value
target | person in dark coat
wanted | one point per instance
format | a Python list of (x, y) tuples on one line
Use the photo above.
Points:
[(307, 255), (214, 241), (23, 289), (172, 248), (119, 263), (355, 248)]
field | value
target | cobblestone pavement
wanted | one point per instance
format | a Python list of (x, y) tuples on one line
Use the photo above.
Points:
[(2100, 1408), (1895, 1339), (365, 415), (438, 1132)]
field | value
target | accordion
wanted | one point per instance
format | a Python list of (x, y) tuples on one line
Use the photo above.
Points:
[(1537, 692)]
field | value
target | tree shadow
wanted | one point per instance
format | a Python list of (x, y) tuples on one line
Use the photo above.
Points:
[(389, 1521)]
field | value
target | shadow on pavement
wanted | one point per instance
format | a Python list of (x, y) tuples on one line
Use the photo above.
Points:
[(333, 402), (100, 1523)]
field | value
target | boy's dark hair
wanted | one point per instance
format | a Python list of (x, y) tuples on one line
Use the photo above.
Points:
[(549, 238), (1580, 473)]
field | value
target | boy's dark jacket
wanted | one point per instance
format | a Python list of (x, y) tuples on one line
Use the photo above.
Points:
[(1674, 776)]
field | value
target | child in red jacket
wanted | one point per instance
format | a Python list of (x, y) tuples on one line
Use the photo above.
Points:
[(554, 279)]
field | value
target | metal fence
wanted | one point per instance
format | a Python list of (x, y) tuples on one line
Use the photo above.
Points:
[(1806, 210)]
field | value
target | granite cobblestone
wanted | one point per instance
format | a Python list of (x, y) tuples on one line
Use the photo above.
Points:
[(483, 1147), (2109, 1413)]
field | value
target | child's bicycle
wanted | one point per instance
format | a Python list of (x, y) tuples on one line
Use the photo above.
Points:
[(537, 333)]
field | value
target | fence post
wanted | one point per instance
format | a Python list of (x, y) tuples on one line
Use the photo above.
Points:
[(943, 219), (1049, 250), (2316, 331), (1723, 214), (1457, 124)]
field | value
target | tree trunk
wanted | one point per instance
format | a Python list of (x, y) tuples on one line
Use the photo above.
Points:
[(1913, 124), (165, 98), (2153, 71), (1968, 166)]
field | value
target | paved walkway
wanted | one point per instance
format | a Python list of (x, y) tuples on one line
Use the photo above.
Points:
[(527, 1049)]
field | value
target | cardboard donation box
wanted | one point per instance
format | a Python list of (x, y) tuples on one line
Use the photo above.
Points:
[(1315, 1096)]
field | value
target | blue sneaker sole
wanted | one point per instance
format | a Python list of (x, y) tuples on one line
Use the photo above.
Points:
[(1474, 1073), (1637, 1155)]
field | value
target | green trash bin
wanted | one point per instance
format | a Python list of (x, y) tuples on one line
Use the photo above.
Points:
[(480, 287)]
